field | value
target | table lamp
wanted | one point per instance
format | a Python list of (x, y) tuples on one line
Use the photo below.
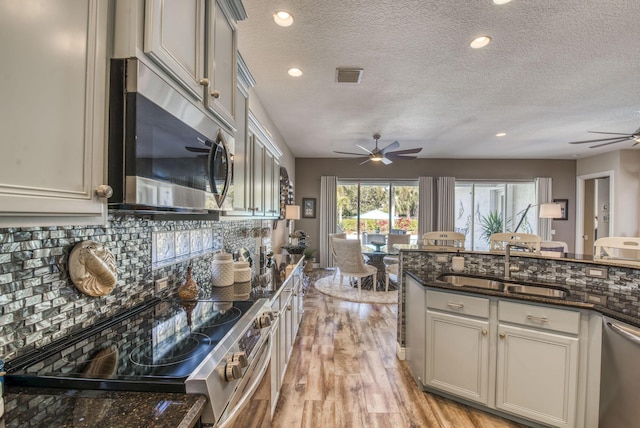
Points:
[(291, 212)]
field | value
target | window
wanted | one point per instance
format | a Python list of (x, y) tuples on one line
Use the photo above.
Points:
[(369, 210), (484, 208)]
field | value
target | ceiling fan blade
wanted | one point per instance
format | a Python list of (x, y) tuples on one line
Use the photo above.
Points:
[(612, 133), (400, 157), (386, 161), (348, 153), (365, 149), (620, 140), (197, 149), (406, 152), (367, 160), (601, 139), (390, 147)]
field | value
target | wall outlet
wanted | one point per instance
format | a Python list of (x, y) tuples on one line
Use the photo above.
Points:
[(442, 258), (161, 284), (597, 272)]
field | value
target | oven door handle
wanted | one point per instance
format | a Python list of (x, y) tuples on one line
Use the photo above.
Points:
[(230, 418)]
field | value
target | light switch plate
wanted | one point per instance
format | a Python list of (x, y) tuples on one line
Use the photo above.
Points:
[(161, 284), (442, 258)]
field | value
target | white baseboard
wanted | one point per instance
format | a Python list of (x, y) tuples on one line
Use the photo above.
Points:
[(400, 352)]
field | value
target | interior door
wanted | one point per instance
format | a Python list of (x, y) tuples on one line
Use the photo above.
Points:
[(589, 227)]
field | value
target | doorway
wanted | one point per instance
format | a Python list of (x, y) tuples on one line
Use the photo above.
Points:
[(593, 216)]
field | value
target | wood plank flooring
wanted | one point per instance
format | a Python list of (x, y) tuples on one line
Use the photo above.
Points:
[(344, 373)]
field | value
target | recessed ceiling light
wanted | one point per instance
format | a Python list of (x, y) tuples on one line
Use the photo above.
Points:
[(501, 134), (295, 72), (282, 18), (480, 42), (501, 1)]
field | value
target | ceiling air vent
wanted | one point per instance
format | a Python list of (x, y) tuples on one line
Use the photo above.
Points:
[(348, 75)]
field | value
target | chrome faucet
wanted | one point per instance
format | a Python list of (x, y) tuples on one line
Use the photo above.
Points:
[(507, 259)]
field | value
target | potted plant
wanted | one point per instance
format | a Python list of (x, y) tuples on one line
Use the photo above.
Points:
[(309, 259)]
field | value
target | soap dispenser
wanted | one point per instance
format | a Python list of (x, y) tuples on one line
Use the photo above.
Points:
[(457, 262)]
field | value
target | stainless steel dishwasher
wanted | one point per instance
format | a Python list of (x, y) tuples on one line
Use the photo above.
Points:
[(620, 375)]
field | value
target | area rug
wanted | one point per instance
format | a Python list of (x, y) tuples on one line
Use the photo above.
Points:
[(331, 287)]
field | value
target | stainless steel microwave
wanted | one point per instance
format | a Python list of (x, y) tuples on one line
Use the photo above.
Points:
[(165, 154)]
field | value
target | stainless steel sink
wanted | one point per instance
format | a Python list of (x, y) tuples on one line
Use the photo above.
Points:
[(467, 281), (536, 290), (507, 287)]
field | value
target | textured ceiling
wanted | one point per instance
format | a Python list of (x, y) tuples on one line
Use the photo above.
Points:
[(554, 70)]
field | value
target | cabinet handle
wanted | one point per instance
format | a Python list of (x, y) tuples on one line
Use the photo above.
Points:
[(288, 307), (537, 319), (484, 331), (104, 191), (502, 335), (204, 81), (215, 94), (455, 305)]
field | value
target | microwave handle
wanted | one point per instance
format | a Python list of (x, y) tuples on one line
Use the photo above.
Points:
[(252, 389)]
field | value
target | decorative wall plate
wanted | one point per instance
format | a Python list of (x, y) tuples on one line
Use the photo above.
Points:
[(92, 268)]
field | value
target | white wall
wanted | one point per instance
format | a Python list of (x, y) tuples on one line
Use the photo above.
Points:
[(625, 201)]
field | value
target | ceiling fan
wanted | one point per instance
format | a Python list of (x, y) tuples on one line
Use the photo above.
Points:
[(611, 140), (386, 155)]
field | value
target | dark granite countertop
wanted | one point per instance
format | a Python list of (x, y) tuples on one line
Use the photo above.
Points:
[(62, 408), (574, 299)]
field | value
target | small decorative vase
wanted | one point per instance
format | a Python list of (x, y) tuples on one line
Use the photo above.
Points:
[(188, 290)]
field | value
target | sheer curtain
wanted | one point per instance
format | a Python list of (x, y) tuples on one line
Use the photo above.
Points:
[(543, 185), (425, 204), (446, 192), (327, 215)]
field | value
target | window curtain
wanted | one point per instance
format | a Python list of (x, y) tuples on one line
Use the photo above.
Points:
[(446, 193), (543, 184), (327, 215), (425, 205)]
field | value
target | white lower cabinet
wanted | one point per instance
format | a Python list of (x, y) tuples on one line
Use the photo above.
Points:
[(537, 369), (286, 309), (522, 359), (458, 355)]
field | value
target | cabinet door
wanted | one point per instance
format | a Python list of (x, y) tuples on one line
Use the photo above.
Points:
[(242, 157), (221, 63), (174, 39), (53, 112), (457, 358), (275, 188), (269, 208), (275, 360), (258, 177), (537, 375), (415, 343)]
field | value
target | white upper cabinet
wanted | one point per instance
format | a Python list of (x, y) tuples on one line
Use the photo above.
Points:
[(53, 112), (175, 39), (194, 42)]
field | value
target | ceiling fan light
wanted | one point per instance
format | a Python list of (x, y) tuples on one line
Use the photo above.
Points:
[(480, 42), (282, 18)]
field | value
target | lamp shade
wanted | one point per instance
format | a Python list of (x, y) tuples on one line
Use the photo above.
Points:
[(550, 210), (292, 212)]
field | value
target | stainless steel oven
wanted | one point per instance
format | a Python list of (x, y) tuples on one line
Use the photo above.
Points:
[(219, 349), (165, 153)]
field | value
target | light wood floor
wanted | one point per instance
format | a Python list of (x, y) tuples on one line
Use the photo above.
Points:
[(344, 373)]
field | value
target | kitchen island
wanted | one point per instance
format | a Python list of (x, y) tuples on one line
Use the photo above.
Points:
[(526, 345)]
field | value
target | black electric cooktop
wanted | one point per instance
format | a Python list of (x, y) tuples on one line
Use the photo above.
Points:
[(153, 347)]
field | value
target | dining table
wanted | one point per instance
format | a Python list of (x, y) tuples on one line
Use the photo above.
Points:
[(375, 257)]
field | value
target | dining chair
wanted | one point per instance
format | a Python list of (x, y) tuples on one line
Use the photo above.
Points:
[(393, 239), (617, 248), (348, 255), (390, 270), (498, 241), (553, 248), (443, 240), (333, 253)]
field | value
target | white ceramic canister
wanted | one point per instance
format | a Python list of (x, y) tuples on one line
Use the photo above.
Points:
[(457, 263), (222, 270), (241, 271)]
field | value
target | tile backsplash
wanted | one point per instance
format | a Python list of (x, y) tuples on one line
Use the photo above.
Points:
[(40, 304)]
